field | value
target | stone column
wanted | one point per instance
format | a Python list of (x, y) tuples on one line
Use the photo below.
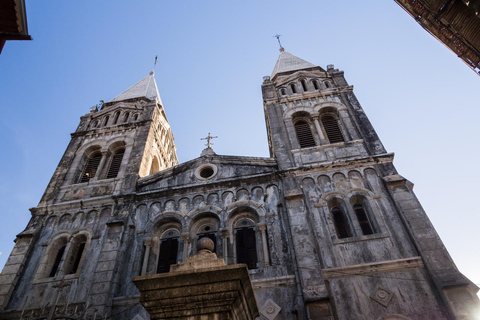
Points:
[(262, 226), (224, 234), (186, 245), (323, 140), (101, 165), (348, 130), (148, 243)]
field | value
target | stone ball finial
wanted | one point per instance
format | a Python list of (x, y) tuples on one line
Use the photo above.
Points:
[(205, 244)]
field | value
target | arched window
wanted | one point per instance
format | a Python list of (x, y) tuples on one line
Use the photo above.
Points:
[(246, 244), (340, 220), (363, 219), (115, 117), (77, 249), (91, 166), (135, 117), (304, 85), (315, 84), (293, 88), (168, 250), (154, 167), (304, 134), (58, 259), (105, 120), (115, 163), (282, 92), (94, 124), (332, 129), (327, 84), (125, 116)]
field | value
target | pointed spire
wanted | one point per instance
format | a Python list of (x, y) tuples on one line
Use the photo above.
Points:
[(145, 88), (288, 62)]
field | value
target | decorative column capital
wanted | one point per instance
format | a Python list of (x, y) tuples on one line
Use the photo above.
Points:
[(186, 237), (262, 226)]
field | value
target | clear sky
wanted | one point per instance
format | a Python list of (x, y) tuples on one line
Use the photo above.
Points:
[(422, 100)]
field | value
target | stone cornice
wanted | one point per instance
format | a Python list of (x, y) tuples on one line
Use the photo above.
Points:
[(372, 268)]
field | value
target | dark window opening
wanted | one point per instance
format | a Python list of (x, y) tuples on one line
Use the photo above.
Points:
[(304, 134), (78, 257), (90, 169), (330, 124), (115, 117), (315, 84), (341, 224), (246, 247), (304, 85), (294, 89), (135, 117), (362, 217), (168, 254), (105, 121), (206, 172), (58, 259), (125, 117), (115, 164), (282, 92), (327, 84)]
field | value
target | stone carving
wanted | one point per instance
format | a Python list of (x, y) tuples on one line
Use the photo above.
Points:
[(382, 296), (270, 310)]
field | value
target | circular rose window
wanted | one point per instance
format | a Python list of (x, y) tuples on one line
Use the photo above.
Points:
[(206, 171)]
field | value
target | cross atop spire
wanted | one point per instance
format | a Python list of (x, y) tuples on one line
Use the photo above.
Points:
[(278, 39), (208, 138)]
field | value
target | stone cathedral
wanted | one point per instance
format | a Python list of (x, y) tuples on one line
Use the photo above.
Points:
[(326, 226)]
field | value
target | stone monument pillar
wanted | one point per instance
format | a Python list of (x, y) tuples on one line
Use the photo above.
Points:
[(201, 288)]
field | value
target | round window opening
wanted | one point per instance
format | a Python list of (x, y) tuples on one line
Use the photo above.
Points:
[(207, 172)]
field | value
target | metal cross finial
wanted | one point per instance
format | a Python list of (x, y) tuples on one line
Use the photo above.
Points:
[(154, 64), (208, 138), (278, 39)]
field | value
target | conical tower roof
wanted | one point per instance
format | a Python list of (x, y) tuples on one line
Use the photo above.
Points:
[(145, 88), (288, 62)]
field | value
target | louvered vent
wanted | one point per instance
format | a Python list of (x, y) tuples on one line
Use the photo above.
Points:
[(304, 134), (115, 164), (330, 124), (91, 167)]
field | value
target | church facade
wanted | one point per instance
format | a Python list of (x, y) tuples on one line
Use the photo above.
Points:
[(326, 226)]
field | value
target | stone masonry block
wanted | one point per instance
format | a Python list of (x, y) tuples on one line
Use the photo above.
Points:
[(11, 269), (15, 259), (7, 279), (427, 233), (409, 204), (103, 276), (108, 256), (414, 214), (105, 266), (421, 223), (438, 259), (102, 287)]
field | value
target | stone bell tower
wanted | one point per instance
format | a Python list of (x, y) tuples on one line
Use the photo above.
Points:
[(83, 207)]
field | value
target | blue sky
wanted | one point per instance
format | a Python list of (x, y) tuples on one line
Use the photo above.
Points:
[(421, 99)]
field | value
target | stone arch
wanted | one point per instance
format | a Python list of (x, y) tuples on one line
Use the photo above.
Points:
[(184, 205), (325, 183), (288, 114), (169, 205), (64, 222), (155, 208), (328, 104), (242, 194), (355, 178), (205, 223), (257, 194), (166, 216), (213, 199), (52, 260), (340, 181), (198, 201), (227, 198)]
